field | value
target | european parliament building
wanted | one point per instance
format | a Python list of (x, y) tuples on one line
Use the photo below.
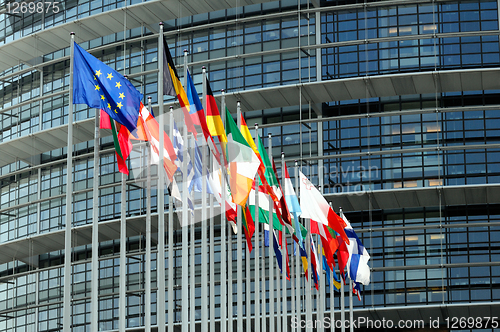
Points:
[(392, 108)]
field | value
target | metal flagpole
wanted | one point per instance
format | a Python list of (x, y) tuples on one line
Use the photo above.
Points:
[(342, 304), (284, 254), (191, 226), (185, 237), (171, 244), (264, 279), (332, 299), (321, 294), (94, 299), (239, 263), (204, 272), (211, 228), (309, 276), (69, 200), (257, 320), (351, 318), (160, 258), (223, 257), (298, 261), (122, 299), (147, 282), (271, 248)]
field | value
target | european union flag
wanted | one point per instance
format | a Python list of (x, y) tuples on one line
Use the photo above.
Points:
[(99, 86)]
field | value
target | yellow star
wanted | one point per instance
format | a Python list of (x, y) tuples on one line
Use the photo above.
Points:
[(109, 106), (119, 105), (102, 97), (118, 85), (97, 87), (121, 96), (98, 73), (110, 76)]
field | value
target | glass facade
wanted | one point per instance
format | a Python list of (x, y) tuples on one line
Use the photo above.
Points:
[(422, 255)]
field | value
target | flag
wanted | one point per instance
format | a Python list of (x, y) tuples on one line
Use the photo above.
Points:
[(328, 240), (278, 250), (248, 226), (357, 263), (303, 257), (178, 143), (262, 168), (196, 109), (196, 183), (314, 206), (148, 129), (172, 86), (293, 204), (243, 162), (99, 86), (328, 271), (285, 214), (121, 141), (214, 121), (314, 263), (215, 181)]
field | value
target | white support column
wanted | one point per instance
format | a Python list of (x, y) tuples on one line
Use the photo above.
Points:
[(94, 300), (212, 259), (160, 257), (239, 254), (321, 294), (147, 266), (171, 244), (342, 305), (223, 222), (271, 248), (69, 201), (122, 297), (257, 320)]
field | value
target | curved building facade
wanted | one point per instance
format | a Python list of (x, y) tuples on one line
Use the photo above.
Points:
[(390, 107)]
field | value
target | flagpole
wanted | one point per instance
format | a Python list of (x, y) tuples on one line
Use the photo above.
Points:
[(94, 301), (185, 236), (321, 293), (239, 263), (69, 199), (284, 253), (271, 247), (147, 282), (309, 274), (160, 259), (342, 302), (298, 260), (122, 300), (223, 241), (351, 318), (211, 226), (332, 298), (171, 244), (191, 226), (257, 320), (204, 272)]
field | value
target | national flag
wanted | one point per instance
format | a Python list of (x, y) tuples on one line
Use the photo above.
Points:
[(178, 143), (328, 240), (215, 180), (248, 226), (278, 250), (293, 204), (314, 206), (196, 110), (148, 129), (357, 264), (99, 86), (303, 257), (121, 141), (196, 183), (214, 121), (243, 162), (314, 263), (285, 214), (172, 86), (262, 168), (328, 271)]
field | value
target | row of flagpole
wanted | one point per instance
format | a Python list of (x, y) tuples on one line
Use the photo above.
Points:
[(188, 284)]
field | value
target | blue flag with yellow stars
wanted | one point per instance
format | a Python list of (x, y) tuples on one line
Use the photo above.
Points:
[(99, 86)]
